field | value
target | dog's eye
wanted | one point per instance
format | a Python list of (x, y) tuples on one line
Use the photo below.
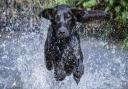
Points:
[(57, 18), (68, 16)]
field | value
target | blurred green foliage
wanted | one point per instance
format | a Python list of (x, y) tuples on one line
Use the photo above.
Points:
[(118, 8), (88, 4), (125, 44)]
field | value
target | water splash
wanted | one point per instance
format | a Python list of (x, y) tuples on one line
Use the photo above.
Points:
[(22, 62)]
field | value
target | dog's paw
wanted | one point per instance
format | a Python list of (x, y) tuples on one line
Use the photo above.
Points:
[(59, 76), (59, 72), (78, 72), (68, 69)]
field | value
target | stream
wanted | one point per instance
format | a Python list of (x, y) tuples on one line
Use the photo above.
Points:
[(22, 62)]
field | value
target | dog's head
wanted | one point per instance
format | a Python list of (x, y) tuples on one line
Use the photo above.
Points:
[(63, 18)]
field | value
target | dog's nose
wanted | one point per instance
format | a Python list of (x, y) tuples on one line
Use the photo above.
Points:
[(62, 30)]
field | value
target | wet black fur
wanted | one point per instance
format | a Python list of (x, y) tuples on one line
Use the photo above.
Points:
[(62, 47)]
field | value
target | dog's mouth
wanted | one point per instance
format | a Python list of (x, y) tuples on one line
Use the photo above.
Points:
[(63, 36), (64, 40)]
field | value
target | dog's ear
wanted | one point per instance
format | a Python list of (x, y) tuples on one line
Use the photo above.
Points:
[(47, 13), (96, 15), (84, 16), (78, 13)]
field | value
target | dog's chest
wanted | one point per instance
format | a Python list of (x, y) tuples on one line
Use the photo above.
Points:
[(65, 52)]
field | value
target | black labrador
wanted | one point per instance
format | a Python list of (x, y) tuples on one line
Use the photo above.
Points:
[(62, 47)]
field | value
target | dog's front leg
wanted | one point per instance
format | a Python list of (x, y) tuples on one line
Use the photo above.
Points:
[(49, 50), (78, 67), (59, 72)]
